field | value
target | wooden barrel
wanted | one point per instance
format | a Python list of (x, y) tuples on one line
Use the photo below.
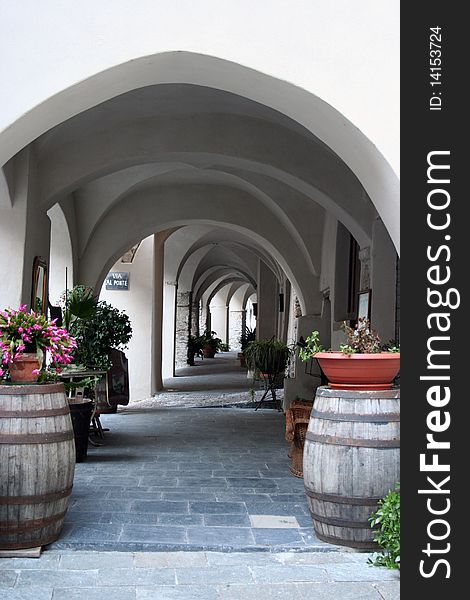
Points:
[(37, 463), (351, 460)]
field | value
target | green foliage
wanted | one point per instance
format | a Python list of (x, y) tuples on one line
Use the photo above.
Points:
[(48, 375), (223, 347), (387, 521), (108, 328), (77, 304), (248, 335), (311, 347), (208, 339), (267, 356), (195, 345), (97, 326), (361, 339), (87, 382), (391, 346)]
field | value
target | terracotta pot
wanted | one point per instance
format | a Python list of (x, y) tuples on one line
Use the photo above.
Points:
[(360, 371), (209, 351), (21, 369)]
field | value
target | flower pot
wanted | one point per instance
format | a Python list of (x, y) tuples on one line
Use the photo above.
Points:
[(359, 371), (209, 351), (21, 369), (81, 410), (242, 360)]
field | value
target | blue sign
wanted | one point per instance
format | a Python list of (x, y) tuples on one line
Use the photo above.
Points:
[(117, 281)]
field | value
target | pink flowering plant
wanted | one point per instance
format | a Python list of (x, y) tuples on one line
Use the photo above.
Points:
[(22, 331)]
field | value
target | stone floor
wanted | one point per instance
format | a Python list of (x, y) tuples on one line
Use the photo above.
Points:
[(79, 575), (210, 383), (213, 482), (189, 479)]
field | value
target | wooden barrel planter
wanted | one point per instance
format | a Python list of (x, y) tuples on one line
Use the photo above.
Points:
[(351, 460), (37, 459)]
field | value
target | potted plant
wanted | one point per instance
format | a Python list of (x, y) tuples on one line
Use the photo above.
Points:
[(267, 356), (248, 335), (362, 363), (195, 344), (37, 434), (210, 343), (100, 330), (24, 337)]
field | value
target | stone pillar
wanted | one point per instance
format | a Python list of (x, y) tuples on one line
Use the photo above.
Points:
[(202, 317), (158, 332), (383, 282), (194, 318), (182, 328), (307, 376), (237, 320), (268, 301), (283, 323)]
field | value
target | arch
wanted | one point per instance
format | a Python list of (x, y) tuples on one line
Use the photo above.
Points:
[(320, 118), (61, 254), (183, 205)]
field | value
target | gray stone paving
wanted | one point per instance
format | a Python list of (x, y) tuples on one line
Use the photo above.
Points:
[(189, 479), (75, 575), (210, 383), (171, 478)]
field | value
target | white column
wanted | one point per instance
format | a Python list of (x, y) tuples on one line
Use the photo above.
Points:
[(169, 304), (219, 320), (157, 329), (268, 300)]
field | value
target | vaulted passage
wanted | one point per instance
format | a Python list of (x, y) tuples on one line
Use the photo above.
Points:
[(236, 206)]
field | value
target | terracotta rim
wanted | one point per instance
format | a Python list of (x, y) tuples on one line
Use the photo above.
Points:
[(340, 356)]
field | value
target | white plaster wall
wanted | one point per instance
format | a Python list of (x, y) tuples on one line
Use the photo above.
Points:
[(137, 303), (331, 66), (332, 49), (168, 352)]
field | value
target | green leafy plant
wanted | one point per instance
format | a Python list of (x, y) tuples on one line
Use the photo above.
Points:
[(209, 338), (386, 520), (310, 346), (248, 335), (223, 347), (195, 345), (78, 304), (392, 346), (267, 356), (361, 338), (97, 326)]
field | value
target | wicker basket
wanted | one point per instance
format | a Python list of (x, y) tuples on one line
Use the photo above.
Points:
[(297, 420)]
